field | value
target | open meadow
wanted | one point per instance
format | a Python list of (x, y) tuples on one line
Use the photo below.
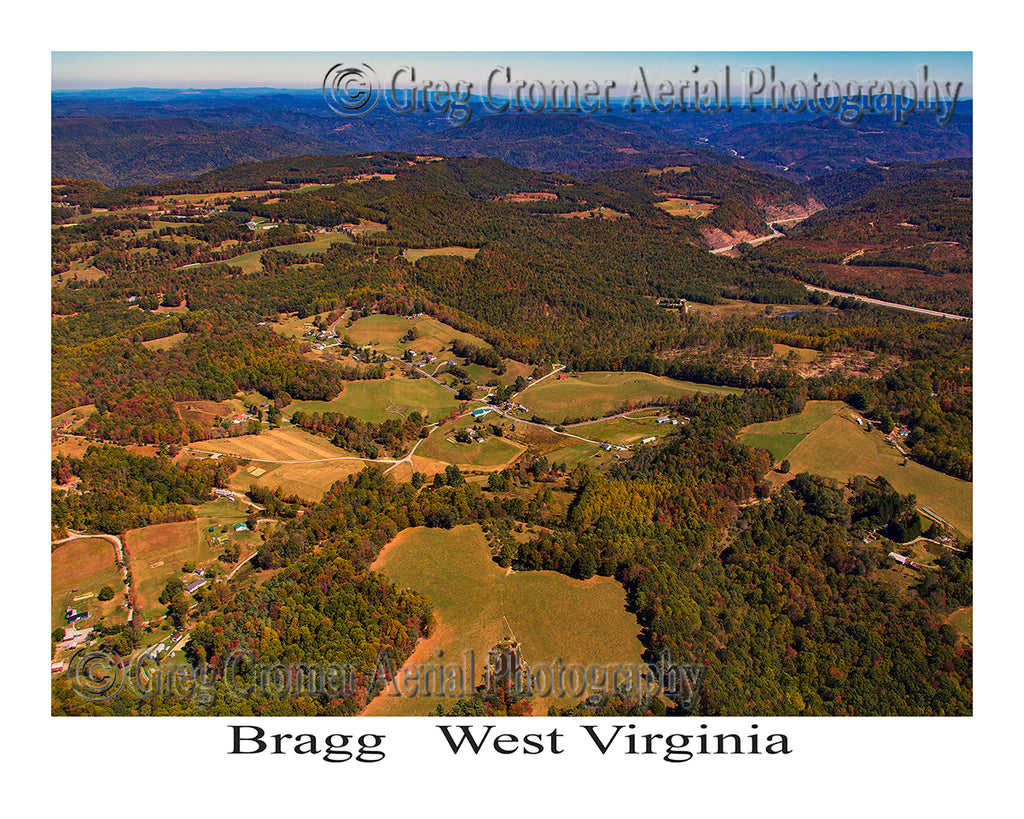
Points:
[(491, 453), (685, 207), (290, 459), (385, 333), (414, 254), (595, 394), (165, 343), (79, 569), (478, 603), (385, 399), (252, 262), (831, 443), (157, 553)]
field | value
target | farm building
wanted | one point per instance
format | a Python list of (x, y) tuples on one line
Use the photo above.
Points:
[(73, 638), (906, 561), (649, 440), (74, 616), (194, 586), (481, 412)]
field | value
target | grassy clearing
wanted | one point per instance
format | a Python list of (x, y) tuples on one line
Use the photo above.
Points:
[(206, 412), (748, 309), (75, 415), (157, 554), (307, 481), (78, 272), (839, 448), (379, 400), (780, 437), (553, 616), (581, 452), (276, 446), (783, 351), (252, 262), (685, 207), (292, 326), (491, 453), (668, 169), (414, 254), (165, 343), (365, 226), (385, 334), (963, 621), (626, 430), (209, 198), (82, 567), (290, 459), (592, 394)]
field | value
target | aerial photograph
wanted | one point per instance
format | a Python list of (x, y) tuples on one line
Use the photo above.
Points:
[(473, 384)]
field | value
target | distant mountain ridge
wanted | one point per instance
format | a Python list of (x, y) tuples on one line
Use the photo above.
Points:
[(148, 135)]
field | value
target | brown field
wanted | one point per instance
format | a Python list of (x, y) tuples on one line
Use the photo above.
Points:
[(207, 198), (602, 213), (685, 207), (181, 308), (280, 446), (165, 343), (307, 481), (290, 459), (669, 169), (157, 554), (75, 447), (77, 273), (414, 254), (206, 412), (69, 446), (803, 356), (80, 567), (527, 196), (731, 308), (365, 226), (373, 177)]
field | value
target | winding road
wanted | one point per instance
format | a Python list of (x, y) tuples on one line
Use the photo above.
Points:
[(890, 304)]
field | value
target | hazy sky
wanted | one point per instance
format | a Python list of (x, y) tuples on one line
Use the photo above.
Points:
[(94, 70)]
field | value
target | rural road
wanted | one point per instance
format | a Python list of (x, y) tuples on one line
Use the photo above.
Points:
[(890, 304), (761, 239), (240, 565)]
